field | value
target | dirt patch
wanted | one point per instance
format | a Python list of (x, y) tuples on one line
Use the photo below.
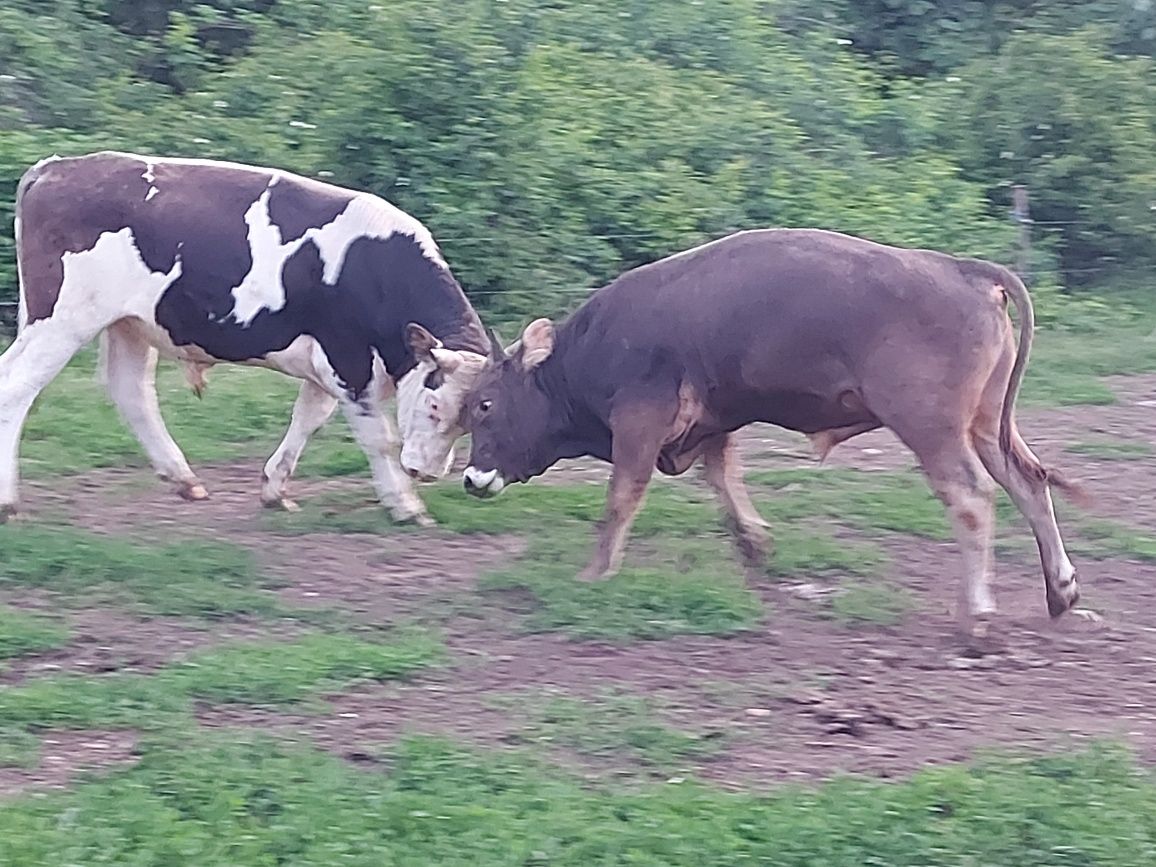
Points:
[(107, 640), (66, 754), (382, 579)]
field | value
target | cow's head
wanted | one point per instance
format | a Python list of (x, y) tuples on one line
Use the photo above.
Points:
[(429, 403), (510, 416)]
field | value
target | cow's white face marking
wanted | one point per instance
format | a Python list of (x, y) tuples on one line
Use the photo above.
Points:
[(429, 419)]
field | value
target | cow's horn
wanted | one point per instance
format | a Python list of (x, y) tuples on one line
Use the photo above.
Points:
[(496, 351)]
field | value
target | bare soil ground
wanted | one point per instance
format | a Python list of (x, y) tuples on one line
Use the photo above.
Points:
[(799, 697)]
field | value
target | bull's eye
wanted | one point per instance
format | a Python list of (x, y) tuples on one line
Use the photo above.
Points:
[(485, 405)]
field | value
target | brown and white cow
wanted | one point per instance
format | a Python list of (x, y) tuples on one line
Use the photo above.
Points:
[(811, 330), (205, 262)]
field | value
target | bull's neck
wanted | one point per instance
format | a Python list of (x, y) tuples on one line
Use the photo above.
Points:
[(579, 430)]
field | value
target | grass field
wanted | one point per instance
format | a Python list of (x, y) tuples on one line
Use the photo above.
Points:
[(323, 688)]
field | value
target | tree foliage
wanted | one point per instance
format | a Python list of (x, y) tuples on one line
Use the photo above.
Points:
[(549, 144)]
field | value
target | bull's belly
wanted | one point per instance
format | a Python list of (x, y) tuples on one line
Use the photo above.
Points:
[(802, 411)]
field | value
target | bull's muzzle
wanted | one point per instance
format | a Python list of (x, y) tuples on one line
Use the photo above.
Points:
[(488, 483)]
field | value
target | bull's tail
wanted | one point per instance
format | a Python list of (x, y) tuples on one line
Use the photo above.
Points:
[(1016, 454), (1015, 289)]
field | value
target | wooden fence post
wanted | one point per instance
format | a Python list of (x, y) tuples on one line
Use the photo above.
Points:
[(1021, 214)]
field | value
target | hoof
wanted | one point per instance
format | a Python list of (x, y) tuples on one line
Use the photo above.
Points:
[(193, 492), (417, 519), (280, 504), (1063, 598), (754, 551), (591, 575), (7, 511), (1089, 616)]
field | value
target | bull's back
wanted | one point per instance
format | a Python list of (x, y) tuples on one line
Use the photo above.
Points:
[(799, 288), (789, 319)]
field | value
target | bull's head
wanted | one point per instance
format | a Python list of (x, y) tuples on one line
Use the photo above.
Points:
[(510, 416), (430, 400)]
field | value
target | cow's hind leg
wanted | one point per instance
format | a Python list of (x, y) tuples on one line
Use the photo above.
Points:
[(312, 409), (128, 366), (1025, 480), (38, 354), (724, 474)]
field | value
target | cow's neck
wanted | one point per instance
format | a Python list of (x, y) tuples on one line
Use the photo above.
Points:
[(441, 307)]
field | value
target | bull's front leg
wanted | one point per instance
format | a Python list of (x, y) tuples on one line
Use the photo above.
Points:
[(725, 475), (637, 440)]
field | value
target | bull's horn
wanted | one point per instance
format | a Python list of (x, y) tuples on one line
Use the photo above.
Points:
[(496, 351)]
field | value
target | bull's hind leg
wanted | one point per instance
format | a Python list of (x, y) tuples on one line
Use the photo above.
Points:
[(312, 409), (128, 366), (724, 474), (1025, 480), (958, 478), (38, 354)]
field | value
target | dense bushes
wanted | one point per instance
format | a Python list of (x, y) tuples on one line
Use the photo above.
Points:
[(551, 145)]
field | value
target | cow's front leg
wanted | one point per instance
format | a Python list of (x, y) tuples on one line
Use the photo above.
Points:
[(375, 433), (725, 475), (637, 433)]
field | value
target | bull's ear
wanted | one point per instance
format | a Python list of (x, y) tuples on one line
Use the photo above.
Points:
[(420, 341), (537, 343), (497, 353)]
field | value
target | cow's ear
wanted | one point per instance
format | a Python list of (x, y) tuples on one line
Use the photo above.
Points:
[(537, 343), (421, 341)]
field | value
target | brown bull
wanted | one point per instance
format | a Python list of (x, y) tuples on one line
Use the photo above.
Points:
[(811, 330)]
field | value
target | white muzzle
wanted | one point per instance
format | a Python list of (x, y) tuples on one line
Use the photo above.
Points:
[(483, 484)]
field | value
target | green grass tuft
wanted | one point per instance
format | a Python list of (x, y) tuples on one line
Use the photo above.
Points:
[(697, 590), (899, 502), (24, 632), (1105, 539), (1113, 450), (1067, 369), (203, 579), (251, 672), (613, 727), (233, 798), (18, 748), (273, 673), (870, 605)]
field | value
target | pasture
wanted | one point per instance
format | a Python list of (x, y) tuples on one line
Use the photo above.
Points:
[(216, 684)]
